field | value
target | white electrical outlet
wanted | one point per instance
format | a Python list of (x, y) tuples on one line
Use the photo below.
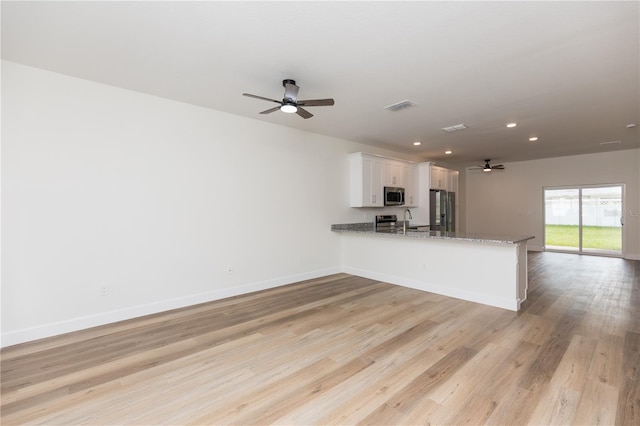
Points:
[(104, 290), (229, 269)]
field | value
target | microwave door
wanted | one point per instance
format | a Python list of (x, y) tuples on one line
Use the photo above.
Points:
[(393, 196)]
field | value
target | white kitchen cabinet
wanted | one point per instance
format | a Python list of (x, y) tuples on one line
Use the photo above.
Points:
[(452, 180), (444, 179), (396, 173), (366, 180), (439, 178), (412, 188), (371, 173)]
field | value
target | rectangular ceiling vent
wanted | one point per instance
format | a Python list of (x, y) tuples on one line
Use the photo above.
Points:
[(400, 105), (454, 128)]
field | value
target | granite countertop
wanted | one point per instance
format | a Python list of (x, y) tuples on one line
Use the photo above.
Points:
[(422, 232)]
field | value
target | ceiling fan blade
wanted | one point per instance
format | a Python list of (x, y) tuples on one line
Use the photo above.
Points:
[(269, 111), (260, 97), (498, 167), (290, 91), (316, 102), (303, 113)]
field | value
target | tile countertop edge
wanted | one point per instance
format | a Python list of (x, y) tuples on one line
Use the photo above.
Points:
[(369, 228)]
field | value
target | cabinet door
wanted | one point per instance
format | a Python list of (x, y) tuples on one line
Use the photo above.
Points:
[(366, 181), (412, 189), (438, 177), (394, 173), (405, 175), (452, 181), (373, 188)]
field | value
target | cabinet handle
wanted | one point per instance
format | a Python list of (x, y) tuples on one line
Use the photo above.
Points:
[(373, 198)]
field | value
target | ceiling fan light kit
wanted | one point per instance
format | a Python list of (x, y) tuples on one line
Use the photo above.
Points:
[(290, 103), (289, 108)]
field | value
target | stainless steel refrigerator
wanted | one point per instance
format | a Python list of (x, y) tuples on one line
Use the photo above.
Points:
[(442, 206)]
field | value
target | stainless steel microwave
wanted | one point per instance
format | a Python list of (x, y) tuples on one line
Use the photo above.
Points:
[(393, 196)]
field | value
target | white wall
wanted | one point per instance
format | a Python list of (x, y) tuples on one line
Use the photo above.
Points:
[(511, 202), (154, 200)]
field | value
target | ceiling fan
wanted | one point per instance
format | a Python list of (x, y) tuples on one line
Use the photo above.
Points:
[(290, 102), (488, 167)]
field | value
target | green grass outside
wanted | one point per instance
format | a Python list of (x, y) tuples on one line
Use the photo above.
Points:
[(593, 237)]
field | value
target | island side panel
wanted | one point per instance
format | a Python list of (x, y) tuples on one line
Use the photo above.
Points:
[(480, 272), (523, 283)]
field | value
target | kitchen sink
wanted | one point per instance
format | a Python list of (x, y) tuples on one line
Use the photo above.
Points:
[(418, 228), (399, 230)]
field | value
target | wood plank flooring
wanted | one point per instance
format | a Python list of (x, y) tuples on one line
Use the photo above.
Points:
[(349, 350)]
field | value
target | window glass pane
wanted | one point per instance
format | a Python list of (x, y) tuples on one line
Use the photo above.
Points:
[(562, 219), (601, 213)]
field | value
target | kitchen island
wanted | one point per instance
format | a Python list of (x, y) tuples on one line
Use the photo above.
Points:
[(488, 269)]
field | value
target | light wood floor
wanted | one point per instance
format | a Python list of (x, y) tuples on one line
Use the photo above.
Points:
[(347, 350)]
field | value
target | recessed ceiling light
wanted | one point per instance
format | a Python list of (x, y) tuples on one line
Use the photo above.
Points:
[(510, 125), (631, 126), (416, 143), (533, 139), (610, 142), (448, 152)]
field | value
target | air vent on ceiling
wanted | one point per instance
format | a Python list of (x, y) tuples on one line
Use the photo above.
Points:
[(610, 142), (454, 128), (400, 105)]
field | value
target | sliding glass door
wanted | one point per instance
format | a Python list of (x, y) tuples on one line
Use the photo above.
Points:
[(562, 219), (584, 219)]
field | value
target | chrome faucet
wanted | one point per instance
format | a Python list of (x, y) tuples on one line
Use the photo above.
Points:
[(404, 223)]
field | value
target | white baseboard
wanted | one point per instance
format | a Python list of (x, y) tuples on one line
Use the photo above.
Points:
[(511, 305), (632, 256), (82, 323)]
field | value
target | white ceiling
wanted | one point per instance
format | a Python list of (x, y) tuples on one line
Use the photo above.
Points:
[(567, 72)]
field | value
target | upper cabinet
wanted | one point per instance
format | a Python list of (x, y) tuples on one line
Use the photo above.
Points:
[(439, 178), (452, 180), (444, 179), (371, 173), (366, 180), (412, 189), (396, 173)]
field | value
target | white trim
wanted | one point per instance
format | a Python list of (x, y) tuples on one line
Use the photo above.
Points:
[(512, 305), (81, 323)]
